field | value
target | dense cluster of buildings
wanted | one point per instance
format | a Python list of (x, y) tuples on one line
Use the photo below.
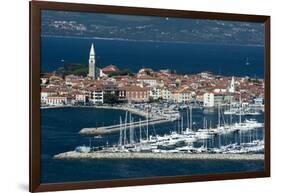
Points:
[(205, 88)]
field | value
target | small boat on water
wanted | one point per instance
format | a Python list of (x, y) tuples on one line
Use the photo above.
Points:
[(247, 63), (83, 149), (171, 114)]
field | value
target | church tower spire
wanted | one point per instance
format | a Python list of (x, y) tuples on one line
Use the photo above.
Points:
[(92, 63)]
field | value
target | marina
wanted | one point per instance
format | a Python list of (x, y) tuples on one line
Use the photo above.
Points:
[(141, 145), (60, 139)]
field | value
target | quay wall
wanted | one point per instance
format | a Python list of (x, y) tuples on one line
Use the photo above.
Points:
[(167, 156)]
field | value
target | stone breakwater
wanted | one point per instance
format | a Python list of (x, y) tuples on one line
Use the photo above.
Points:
[(152, 119), (131, 110), (116, 128), (162, 156)]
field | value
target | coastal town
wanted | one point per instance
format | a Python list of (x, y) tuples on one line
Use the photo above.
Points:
[(161, 96), (107, 86)]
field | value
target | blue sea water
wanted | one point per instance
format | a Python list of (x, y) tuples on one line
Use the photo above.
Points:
[(59, 133), (184, 57)]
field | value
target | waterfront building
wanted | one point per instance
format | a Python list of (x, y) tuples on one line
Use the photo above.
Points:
[(136, 94), (81, 97), (166, 94), (219, 99), (121, 94), (45, 93), (96, 95), (181, 95), (56, 100), (208, 100), (155, 93)]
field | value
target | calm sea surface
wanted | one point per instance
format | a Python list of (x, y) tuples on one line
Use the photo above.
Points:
[(184, 57), (60, 129)]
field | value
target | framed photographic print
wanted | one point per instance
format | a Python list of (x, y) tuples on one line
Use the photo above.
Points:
[(123, 96)]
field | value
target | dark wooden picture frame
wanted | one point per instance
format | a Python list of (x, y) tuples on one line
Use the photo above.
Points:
[(34, 100)]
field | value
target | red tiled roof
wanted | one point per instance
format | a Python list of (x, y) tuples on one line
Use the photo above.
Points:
[(135, 88), (48, 89), (110, 68)]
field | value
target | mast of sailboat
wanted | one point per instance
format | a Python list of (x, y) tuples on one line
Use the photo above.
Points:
[(222, 115), (204, 122), (230, 119), (125, 128), (190, 122), (147, 125), (140, 128), (219, 140), (178, 126), (187, 122), (131, 130), (240, 107), (121, 132), (181, 123), (219, 118)]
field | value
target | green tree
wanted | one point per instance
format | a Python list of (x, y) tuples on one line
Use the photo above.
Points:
[(75, 69), (121, 73), (110, 98)]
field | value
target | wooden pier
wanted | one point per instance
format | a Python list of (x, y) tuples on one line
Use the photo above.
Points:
[(116, 128)]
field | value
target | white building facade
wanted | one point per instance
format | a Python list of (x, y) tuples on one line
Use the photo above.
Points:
[(97, 97), (208, 100), (56, 100)]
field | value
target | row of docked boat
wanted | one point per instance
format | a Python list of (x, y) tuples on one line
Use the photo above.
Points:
[(180, 141), (256, 146), (245, 111), (239, 109)]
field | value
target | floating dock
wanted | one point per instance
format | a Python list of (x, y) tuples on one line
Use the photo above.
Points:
[(162, 156), (116, 128)]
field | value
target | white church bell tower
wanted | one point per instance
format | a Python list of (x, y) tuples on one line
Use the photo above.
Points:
[(92, 63)]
